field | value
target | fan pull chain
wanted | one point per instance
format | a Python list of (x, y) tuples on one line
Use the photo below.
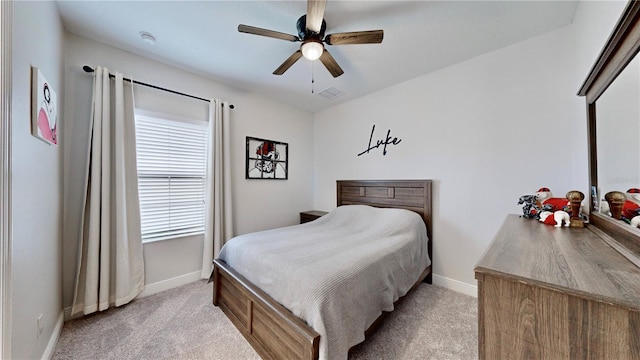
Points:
[(313, 69)]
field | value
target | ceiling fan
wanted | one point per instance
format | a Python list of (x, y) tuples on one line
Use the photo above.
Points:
[(311, 29)]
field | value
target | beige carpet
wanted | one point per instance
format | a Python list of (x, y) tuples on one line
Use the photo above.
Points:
[(432, 323)]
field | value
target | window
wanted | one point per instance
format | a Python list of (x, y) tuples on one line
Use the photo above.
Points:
[(172, 157)]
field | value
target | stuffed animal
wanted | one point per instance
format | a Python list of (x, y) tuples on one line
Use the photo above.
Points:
[(631, 207), (604, 207), (530, 206), (556, 218), (556, 204)]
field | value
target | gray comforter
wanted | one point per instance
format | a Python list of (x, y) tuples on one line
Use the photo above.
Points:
[(339, 272)]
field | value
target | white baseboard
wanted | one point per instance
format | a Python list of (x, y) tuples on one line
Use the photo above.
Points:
[(53, 340), (163, 285), (455, 285), (151, 289)]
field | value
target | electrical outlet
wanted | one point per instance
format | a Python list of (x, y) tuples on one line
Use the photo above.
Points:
[(39, 325)]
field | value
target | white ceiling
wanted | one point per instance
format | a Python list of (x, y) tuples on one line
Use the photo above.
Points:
[(419, 37)]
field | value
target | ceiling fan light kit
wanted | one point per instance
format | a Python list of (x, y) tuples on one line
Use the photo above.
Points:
[(311, 28), (312, 49)]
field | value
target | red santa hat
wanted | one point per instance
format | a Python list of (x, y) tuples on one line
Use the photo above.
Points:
[(549, 219), (544, 189), (633, 195), (629, 209)]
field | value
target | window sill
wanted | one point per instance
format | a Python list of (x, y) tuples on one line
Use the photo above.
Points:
[(171, 237)]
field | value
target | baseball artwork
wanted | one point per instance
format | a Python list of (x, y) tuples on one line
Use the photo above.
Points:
[(267, 159)]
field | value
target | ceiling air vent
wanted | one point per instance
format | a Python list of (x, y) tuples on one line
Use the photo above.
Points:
[(331, 93)]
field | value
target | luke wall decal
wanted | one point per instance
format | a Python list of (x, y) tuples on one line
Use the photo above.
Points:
[(388, 140)]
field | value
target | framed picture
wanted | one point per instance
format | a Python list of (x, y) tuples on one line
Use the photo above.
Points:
[(44, 105), (267, 159)]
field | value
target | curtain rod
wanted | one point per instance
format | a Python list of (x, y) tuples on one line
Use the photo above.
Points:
[(89, 69)]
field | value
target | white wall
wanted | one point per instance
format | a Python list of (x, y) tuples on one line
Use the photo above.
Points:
[(487, 130), (36, 171), (258, 204)]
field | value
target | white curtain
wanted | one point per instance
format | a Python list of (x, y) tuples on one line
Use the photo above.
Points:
[(218, 223), (110, 266)]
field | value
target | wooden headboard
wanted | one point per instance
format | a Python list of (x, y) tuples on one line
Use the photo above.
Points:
[(414, 195)]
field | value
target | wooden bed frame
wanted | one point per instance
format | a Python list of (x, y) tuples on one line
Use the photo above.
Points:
[(272, 330)]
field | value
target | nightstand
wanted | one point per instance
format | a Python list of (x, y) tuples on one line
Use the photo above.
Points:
[(310, 215)]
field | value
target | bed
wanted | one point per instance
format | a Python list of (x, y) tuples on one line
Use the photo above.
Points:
[(273, 330)]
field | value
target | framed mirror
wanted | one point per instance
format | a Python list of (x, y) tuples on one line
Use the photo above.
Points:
[(618, 133), (612, 92)]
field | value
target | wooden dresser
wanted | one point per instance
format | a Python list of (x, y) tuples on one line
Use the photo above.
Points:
[(556, 293)]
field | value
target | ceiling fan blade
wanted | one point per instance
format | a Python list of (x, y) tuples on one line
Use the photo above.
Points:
[(330, 63), (315, 14), (287, 63), (356, 37), (268, 33)]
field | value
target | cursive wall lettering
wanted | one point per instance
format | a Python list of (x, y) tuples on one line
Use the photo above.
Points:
[(386, 141)]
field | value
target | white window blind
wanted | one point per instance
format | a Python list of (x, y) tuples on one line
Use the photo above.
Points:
[(171, 176)]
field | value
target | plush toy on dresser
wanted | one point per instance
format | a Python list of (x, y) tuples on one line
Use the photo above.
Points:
[(545, 197), (631, 207), (557, 218), (554, 209), (530, 206)]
